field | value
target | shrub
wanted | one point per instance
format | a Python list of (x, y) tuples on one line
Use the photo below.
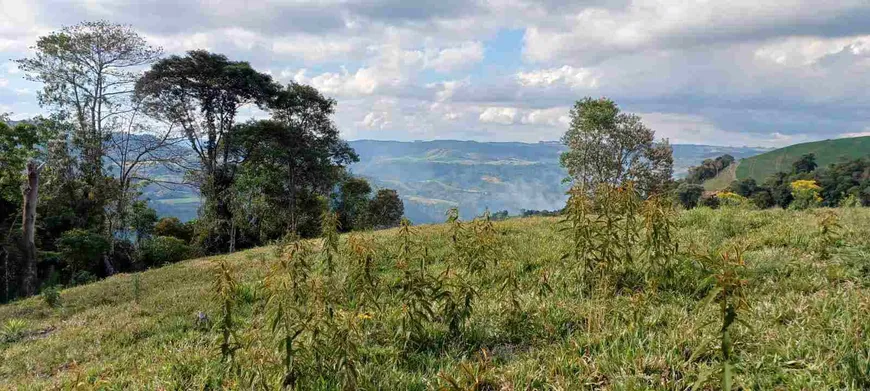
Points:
[(82, 250), (51, 296), (13, 330), (173, 227), (82, 277), (851, 201), (745, 188), (806, 194), (763, 199), (161, 250), (732, 199), (689, 194), (711, 202)]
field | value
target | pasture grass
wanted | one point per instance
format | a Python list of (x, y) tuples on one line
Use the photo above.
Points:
[(531, 325)]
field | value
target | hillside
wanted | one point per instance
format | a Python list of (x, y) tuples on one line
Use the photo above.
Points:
[(721, 181), (807, 319), (760, 167)]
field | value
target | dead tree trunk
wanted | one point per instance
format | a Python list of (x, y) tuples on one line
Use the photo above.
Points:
[(30, 192)]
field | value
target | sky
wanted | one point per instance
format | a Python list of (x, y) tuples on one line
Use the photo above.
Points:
[(738, 72)]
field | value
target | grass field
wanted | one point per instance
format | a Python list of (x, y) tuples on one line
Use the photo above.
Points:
[(760, 167), (807, 326)]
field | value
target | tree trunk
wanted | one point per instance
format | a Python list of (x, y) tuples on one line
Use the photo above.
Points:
[(4, 255), (31, 190)]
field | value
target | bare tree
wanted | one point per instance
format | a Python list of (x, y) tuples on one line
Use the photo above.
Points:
[(88, 72), (143, 143), (30, 191)]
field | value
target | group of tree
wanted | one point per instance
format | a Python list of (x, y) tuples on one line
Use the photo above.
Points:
[(708, 169), (358, 209), (841, 184), (70, 182)]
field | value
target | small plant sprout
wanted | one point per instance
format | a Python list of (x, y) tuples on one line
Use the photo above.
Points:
[(829, 228), (137, 288), (660, 241), (225, 288), (729, 292), (329, 233), (362, 251)]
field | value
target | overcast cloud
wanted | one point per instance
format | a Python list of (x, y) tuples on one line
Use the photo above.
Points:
[(738, 72)]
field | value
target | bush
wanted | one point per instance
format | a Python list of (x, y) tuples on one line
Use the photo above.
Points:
[(173, 227), (711, 202), (82, 250), (689, 194), (161, 250), (51, 296), (745, 188), (82, 277), (806, 194), (763, 199), (851, 201), (732, 199)]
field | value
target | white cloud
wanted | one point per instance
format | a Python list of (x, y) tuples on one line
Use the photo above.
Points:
[(315, 49), (448, 88), (4, 82), (805, 51), (568, 75), (555, 117), (379, 120), (362, 82), (499, 115), (454, 58)]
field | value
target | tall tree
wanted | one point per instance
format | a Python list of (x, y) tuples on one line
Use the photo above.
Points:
[(352, 200), (609, 146), (386, 209), (203, 92), (805, 164), (300, 148), (88, 72)]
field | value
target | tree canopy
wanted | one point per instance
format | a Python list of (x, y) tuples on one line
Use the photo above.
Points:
[(609, 146)]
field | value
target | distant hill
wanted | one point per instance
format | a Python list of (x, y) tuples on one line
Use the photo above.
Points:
[(760, 167), (433, 176)]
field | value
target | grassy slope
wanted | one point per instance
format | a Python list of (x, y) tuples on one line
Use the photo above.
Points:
[(721, 181), (808, 319), (827, 152)]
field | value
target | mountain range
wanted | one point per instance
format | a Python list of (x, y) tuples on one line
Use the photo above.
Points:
[(433, 176)]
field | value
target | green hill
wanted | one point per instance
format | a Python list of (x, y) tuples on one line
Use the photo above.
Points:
[(760, 167), (530, 327)]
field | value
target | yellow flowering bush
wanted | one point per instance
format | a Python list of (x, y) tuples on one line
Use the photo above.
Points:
[(727, 198), (806, 194)]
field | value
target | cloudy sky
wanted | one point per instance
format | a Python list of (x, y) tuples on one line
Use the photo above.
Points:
[(737, 72)]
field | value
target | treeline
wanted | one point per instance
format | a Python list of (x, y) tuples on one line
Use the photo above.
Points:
[(709, 169), (71, 208), (805, 185)]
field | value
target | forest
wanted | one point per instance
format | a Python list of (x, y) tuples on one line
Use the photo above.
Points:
[(70, 181)]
